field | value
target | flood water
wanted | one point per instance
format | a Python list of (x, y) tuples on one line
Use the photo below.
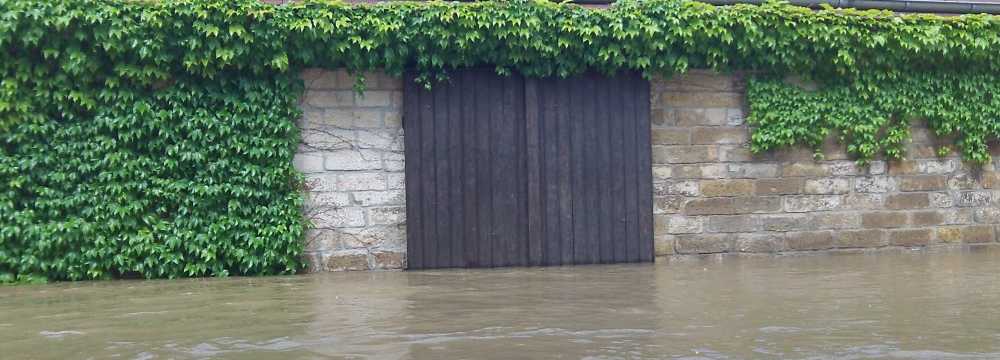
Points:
[(903, 305)]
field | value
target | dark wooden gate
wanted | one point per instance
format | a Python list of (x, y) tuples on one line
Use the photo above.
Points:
[(513, 171)]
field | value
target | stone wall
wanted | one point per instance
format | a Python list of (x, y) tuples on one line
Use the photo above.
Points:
[(712, 195), (352, 157)]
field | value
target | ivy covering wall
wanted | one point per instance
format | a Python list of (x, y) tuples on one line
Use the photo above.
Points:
[(154, 138)]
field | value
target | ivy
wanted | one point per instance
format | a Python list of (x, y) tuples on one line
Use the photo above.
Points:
[(154, 138), (873, 116)]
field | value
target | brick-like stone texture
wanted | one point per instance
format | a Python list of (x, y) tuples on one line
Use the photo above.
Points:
[(711, 194), (352, 156), (723, 198)]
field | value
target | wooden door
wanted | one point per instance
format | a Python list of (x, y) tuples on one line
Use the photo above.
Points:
[(509, 171)]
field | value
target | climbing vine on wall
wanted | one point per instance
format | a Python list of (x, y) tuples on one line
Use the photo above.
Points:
[(154, 138)]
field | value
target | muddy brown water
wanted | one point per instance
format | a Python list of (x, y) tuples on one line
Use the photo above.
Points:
[(904, 305)]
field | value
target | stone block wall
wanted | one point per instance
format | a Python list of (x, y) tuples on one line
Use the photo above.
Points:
[(712, 195), (352, 157)]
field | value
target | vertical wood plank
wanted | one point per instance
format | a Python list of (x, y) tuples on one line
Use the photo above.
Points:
[(519, 182), (631, 169), (442, 174), (500, 174), (618, 171), (456, 154), (606, 206), (645, 169), (427, 181), (470, 185), (485, 164), (578, 161), (563, 106), (534, 210), (548, 96), (592, 173), (412, 166)]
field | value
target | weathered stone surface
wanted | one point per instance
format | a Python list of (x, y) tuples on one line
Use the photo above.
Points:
[(910, 237), (735, 117), (862, 201), (333, 217), (780, 186), (809, 203), (668, 204), (699, 171), (671, 136), (759, 242), (976, 234), (733, 223), (739, 153), (684, 187), (360, 159), (719, 135), (679, 154), (799, 169), (308, 162), (941, 199), (927, 218), (922, 183), (663, 245), (736, 187), (379, 198), (319, 138), (828, 186), (388, 260), (700, 117), (988, 215), (327, 199), (975, 198), (329, 98), (663, 117), (907, 201), (958, 216), (872, 184), (662, 173), (883, 219), (860, 238), (317, 240), (842, 168), (679, 224), (809, 240), (352, 154), (836, 220), (386, 215), (785, 222), (377, 98), (757, 204), (963, 182), (360, 181), (703, 243), (753, 170), (347, 260)]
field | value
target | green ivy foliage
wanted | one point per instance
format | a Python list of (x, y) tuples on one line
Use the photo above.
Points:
[(191, 180), (154, 138), (873, 116)]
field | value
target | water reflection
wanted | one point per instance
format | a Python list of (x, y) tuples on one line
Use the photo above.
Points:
[(904, 305)]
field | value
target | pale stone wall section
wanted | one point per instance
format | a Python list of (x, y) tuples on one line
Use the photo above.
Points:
[(352, 157), (713, 196)]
